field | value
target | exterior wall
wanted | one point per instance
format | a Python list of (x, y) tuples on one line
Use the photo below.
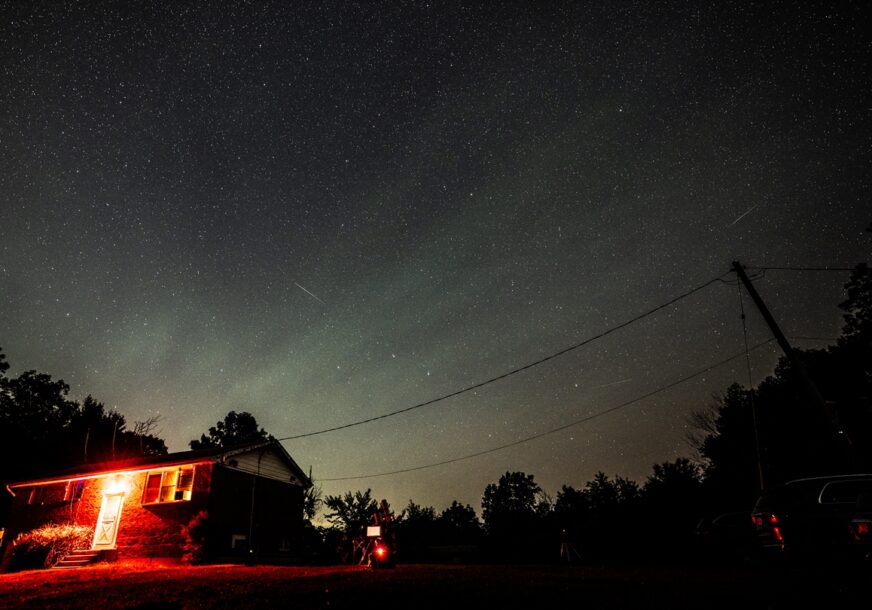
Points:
[(278, 514), (155, 530)]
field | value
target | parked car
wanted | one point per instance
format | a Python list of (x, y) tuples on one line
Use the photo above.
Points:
[(861, 525), (729, 537), (820, 517)]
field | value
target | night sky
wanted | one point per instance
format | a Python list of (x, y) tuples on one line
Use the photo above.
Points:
[(324, 212)]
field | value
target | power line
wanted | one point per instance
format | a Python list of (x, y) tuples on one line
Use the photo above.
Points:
[(559, 428), (752, 276), (512, 372), (804, 268)]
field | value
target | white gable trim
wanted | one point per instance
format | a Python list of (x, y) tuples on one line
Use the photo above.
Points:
[(266, 461)]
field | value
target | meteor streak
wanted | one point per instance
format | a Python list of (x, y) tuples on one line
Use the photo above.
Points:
[(743, 215), (314, 296)]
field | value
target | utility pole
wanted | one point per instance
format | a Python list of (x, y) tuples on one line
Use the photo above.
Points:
[(796, 364)]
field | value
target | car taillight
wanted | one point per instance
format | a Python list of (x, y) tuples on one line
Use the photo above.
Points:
[(761, 519), (381, 551), (767, 525), (861, 529)]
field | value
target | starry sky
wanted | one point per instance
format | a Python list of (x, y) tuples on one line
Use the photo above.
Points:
[(324, 212)]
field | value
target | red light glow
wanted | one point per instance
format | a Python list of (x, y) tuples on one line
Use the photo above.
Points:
[(118, 484), (381, 552)]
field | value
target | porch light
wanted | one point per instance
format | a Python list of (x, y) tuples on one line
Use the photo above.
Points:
[(118, 484)]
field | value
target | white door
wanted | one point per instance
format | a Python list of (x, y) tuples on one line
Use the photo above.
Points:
[(107, 523)]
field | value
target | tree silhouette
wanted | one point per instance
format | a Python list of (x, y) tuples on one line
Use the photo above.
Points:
[(606, 495), (597, 520), (670, 504), (458, 524), (102, 435), (572, 513), (34, 414), (415, 513), (351, 512), (514, 502), (311, 498), (515, 511), (234, 429), (729, 448), (858, 306), (850, 375), (416, 529), (671, 481), (42, 430), (38, 422)]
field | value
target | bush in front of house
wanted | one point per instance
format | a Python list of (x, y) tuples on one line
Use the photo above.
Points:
[(45, 546), (197, 534)]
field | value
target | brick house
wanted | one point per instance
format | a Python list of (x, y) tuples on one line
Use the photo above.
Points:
[(252, 494)]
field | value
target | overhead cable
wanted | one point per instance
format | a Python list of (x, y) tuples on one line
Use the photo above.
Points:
[(557, 429), (803, 268), (514, 371)]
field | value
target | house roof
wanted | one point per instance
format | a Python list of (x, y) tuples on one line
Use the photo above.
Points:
[(213, 454)]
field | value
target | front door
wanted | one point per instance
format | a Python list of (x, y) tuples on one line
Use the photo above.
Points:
[(107, 523)]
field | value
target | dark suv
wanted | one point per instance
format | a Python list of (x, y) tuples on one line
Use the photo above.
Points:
[(821, 517), (726, 537)]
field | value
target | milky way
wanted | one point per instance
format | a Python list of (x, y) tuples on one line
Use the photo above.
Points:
[(328, 212)]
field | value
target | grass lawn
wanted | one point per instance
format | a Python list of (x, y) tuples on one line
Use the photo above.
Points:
[(167, 585)]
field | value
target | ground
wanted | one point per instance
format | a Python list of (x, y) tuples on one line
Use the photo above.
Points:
[(161, 585)]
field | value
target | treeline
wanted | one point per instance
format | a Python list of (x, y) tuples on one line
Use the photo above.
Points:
[(42, 430), (609, 519)]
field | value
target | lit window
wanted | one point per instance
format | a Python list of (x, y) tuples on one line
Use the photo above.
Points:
[(152, 489), (185, 484), (73, 491), (168, 486)]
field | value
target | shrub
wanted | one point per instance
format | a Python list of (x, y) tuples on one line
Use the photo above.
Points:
[(45, 546), (197, 534)]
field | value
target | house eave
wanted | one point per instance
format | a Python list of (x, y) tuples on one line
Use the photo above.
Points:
[(89, 475), (210, 456), (299, 473)]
